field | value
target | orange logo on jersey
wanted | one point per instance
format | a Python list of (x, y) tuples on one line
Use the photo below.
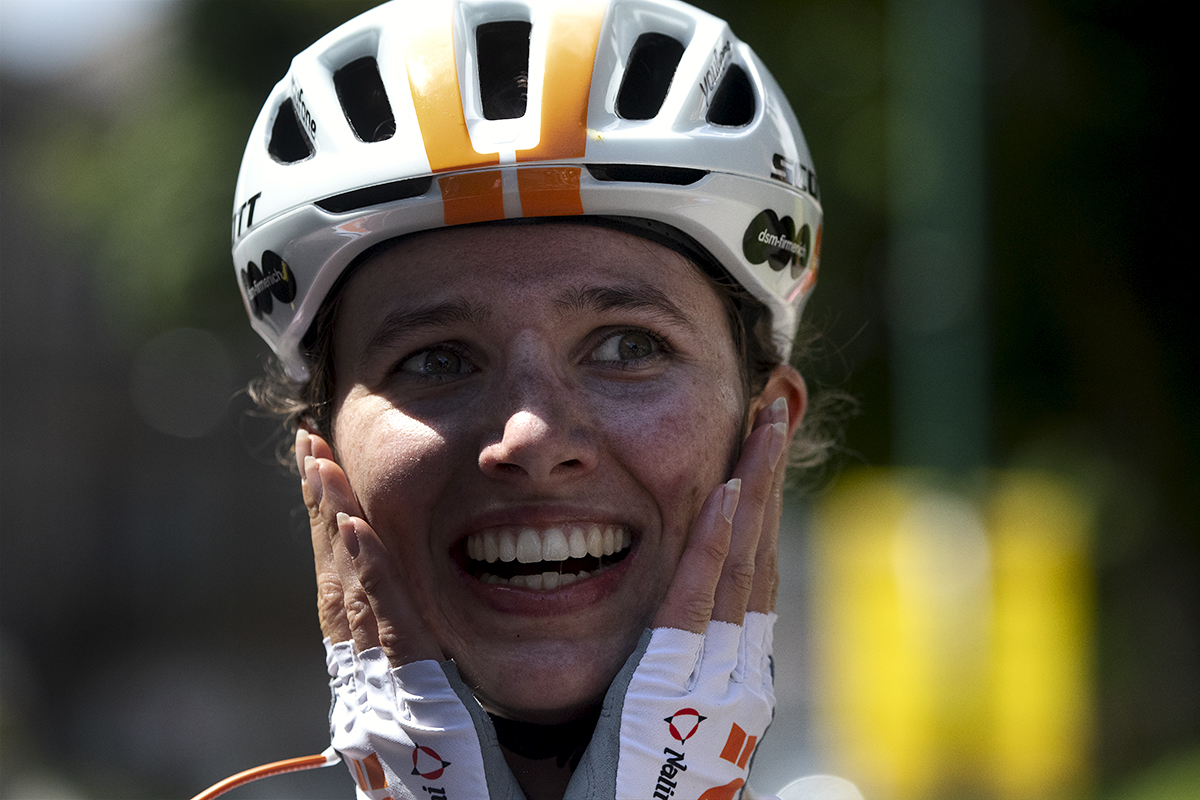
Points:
[(738, 746)]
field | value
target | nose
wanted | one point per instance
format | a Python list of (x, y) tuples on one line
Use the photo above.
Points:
[(541, 441)]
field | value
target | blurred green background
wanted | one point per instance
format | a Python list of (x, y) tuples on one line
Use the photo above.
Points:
[(156, 631)]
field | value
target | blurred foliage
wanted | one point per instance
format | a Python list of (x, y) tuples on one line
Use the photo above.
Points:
[(146, 177)]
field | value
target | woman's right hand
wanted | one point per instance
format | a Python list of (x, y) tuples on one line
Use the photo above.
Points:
[(401, 716), (360, 595)]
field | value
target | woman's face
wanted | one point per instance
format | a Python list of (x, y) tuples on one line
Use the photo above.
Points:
[(531, 418)]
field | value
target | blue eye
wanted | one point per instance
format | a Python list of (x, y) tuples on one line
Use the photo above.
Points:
[(626, 346), (437, 362)]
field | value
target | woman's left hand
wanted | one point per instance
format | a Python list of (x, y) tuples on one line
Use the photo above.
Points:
[(684, 715)]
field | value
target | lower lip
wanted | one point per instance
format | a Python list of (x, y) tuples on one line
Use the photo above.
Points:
[(548, 602)]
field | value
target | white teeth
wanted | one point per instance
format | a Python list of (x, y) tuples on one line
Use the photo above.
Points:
[(544, 581), (528, 545), (595, 542), (578, 543), (508, 546), (554, 546)]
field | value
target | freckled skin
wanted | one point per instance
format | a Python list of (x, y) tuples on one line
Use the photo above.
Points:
[(539, 425)]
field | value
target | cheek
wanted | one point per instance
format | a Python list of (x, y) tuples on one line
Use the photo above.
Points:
[(390, 459), (682, 449)]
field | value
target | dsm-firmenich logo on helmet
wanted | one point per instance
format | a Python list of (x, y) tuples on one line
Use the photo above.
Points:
[(776, 241), (275, 281)]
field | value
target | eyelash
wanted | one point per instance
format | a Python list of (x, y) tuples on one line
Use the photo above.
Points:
[(661, 348), (449, 347)]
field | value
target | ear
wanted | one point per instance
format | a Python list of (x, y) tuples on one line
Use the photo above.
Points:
[(787, 383)]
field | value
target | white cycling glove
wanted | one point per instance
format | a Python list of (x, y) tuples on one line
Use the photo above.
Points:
[(414, 731), (683, 717)]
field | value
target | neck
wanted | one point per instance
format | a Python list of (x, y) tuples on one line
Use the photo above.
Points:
[(543, 757)]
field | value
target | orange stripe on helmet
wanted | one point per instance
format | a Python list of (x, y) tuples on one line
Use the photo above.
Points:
[(433, 80), (570, 56), (472, 197), (549, 191)]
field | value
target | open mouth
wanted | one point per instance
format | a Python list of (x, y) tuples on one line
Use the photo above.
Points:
[(545, 558)]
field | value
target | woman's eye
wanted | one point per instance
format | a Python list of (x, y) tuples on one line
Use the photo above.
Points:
[(437, 362), (626, 346)]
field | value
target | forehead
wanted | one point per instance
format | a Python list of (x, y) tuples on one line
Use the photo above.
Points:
[(517, 267)]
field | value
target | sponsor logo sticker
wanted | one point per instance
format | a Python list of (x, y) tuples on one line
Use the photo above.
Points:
[(427, 763), (685, 719), (275, 281), (777, 242)]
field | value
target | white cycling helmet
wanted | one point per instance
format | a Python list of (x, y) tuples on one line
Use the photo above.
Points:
[(405, 119)]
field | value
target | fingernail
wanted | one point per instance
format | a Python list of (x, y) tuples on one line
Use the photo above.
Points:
[(313, 475), (779, 409), (778, 439), (349, 535), (303, 449), (733, 491)]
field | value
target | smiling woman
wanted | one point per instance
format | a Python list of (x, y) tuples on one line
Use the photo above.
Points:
[(532, 273)]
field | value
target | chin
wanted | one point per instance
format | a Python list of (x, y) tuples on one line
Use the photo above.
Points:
[(546, 682)]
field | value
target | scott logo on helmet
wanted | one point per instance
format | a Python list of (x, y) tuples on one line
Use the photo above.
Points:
[(774, 240), (794, 173), (276, 280), (243, 218)]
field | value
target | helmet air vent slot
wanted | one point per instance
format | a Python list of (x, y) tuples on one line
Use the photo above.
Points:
[(648, 75), (364, 100), (288, 143), (503, 52), (646, 173), (376, 195), (733, 101)]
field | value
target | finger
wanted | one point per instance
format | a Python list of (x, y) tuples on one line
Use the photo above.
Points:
[(392, 618), (766, 561), (330, 610), (348, 610), (688, 605), (756, 467), (360, 617)]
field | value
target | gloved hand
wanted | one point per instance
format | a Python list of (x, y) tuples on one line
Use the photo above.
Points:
[(413, 730), (692, 710)]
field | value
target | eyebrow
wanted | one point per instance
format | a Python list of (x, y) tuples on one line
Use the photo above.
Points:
[(402, 321), (600, 299)]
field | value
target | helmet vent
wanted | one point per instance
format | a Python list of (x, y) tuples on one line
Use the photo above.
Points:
[(288, 143), (376, 195), (503, 51), (652, 63), (364, 100), (733, 101), (646, 173)]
